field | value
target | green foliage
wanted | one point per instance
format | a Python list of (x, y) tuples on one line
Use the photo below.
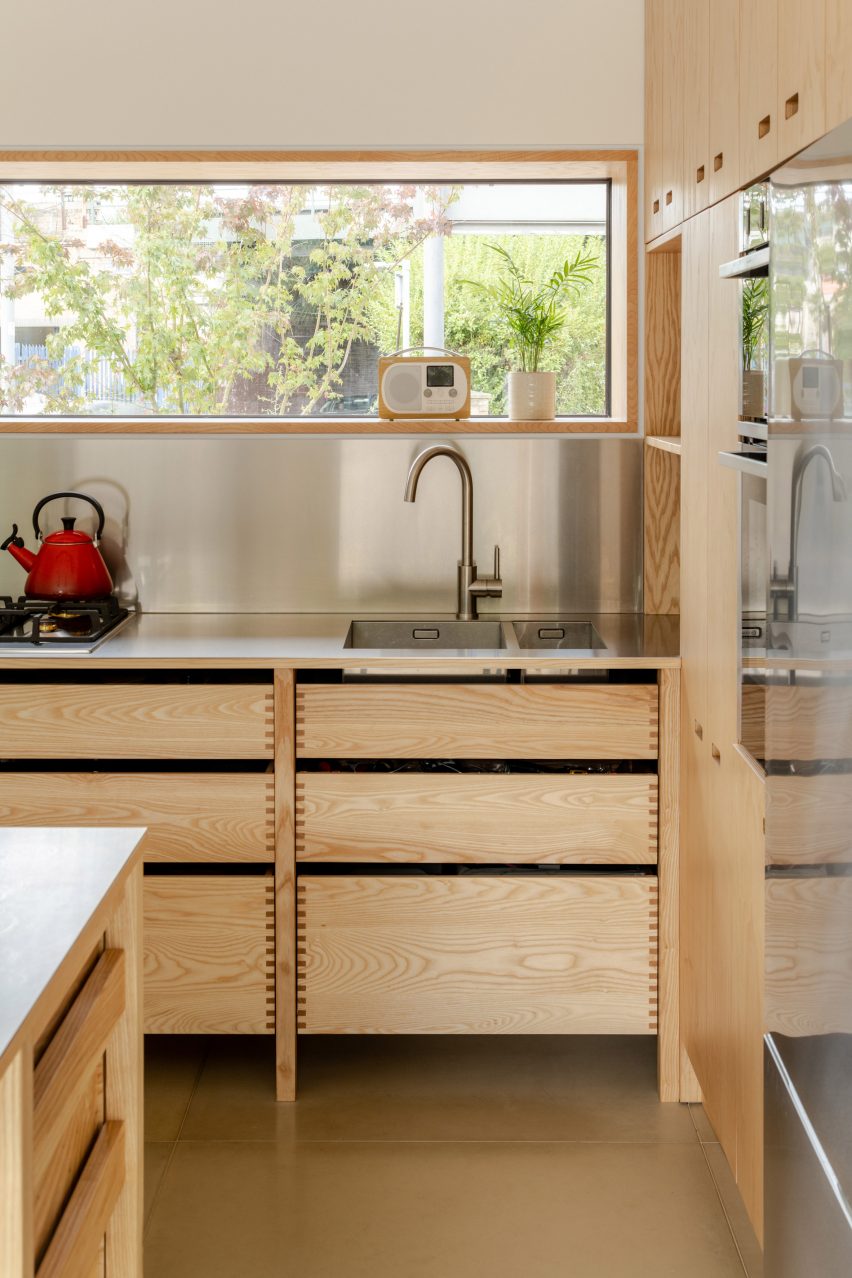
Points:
[(533, 314), (755, 311)]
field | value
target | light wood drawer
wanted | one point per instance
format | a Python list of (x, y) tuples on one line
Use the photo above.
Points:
[(209, 954), (190, 816), (485, 721), (474, 954), (809, 819), (808, 955), (136, 721), (412, 816), (808, 722)]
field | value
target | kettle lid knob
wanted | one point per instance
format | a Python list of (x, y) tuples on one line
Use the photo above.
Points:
[(68, 522)]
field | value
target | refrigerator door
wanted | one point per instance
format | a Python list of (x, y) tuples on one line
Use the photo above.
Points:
[(808, 717)]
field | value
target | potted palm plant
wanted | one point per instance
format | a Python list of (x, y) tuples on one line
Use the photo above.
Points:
[(755, 309), (532, 316)]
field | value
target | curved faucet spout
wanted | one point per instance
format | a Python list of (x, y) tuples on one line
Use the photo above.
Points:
[(414, 473)]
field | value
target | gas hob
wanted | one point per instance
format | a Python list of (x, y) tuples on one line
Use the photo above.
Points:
[(78, 625)]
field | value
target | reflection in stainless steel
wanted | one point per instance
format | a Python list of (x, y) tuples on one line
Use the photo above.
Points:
[(808, 972), (317, 525), (470, 585), (555, 633)]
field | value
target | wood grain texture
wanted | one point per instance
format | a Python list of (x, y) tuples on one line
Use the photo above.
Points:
[(423, 817), (674, 110), (16, 1184), (662, 344), (124, 1087), (808, 955), (654, 60), (477, 721), (697, 162), (190, 816), (285, 886), (801, 74), (808, 722), (125, 721), (668, 952), (74, 1054), (809, 819), (758, 76), (838, 63), (298, 426), (54, 1178), (209, 954), (724, 98), (73, 1250), (661, 562), (478, 954), (666, 444)]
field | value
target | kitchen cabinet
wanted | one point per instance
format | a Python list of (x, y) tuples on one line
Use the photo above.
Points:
[(760, 148), (838, 63), (723, 115), (674, 95), (654, 64), (696, 106), (801, 74), (71, 1055), (722, 792)]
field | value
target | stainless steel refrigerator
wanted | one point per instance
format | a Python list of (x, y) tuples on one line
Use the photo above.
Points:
[(808, 703)]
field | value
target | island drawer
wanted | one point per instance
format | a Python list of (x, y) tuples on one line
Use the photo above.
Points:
[(136, 721), (478, 817), (209, 954), (477, 721), (477, 953), (190, 816)]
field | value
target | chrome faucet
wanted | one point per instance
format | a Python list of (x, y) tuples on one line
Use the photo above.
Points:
[(470, 587), (788, 589)]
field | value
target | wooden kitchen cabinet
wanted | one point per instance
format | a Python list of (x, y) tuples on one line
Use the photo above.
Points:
[(801, 74), (674, 101), (838, 62), (696, 106), (505, 954), (760, 148), (654, 64), (723, 115)]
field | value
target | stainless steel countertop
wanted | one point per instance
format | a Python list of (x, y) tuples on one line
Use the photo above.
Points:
[(51, 883), (289, 640)]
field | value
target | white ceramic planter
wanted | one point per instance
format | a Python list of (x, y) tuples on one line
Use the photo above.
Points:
[(532, 397)]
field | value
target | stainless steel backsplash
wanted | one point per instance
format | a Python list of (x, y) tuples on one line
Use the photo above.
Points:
[(319, 525)]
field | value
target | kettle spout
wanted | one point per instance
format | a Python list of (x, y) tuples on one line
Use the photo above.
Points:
[(16, 548)]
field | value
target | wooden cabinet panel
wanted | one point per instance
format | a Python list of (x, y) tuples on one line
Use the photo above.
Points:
[(696, 106), (759, 126), (654, 71), (809, 819), (724, 98), (209, 954), (414, 816), (801, 74), (673, 112), (136, 721), (550, 721), (838, 62), (478, 954), (808, 955), (73, 1249), (190, 816), (809, 723)]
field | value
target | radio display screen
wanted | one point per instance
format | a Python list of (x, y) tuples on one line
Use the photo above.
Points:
[(439, 374)]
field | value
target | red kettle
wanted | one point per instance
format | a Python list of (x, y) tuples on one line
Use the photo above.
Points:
[(68, 564)]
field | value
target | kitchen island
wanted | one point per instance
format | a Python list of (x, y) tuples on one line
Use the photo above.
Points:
[(70, 1053)]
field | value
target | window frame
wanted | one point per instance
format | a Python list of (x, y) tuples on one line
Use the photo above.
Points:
[(619, 168)]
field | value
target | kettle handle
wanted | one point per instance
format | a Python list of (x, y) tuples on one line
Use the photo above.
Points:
[(82, 496)]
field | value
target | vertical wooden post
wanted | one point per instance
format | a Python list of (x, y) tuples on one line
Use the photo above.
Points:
[(16, 1171), (668, 990), (285, 885), (123, 1084)]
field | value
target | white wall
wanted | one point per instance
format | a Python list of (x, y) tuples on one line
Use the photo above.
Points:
[(321, 73)]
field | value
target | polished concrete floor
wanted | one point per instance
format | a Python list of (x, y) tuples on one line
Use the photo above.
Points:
[(432, 1158)]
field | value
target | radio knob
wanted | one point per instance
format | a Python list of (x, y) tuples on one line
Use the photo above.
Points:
[(453, 392), (427, 394)]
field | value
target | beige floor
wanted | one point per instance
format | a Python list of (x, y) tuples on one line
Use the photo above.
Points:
[(432, 1158)]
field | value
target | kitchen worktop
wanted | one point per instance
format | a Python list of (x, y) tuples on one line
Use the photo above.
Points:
[(288, 640), (52, 881)]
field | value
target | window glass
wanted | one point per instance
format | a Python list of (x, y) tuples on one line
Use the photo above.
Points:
[(277, 300)]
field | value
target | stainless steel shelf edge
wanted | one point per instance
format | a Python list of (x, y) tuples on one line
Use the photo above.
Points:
[(744, 463), (750, 266)]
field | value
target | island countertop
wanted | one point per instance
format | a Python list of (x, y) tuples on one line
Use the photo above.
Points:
[(52, 883), (304, 640)]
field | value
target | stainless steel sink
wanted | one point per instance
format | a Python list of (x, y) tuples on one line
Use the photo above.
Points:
[(419, 633), (553, 633)]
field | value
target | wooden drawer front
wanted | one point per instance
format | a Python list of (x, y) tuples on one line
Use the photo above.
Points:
[(808, 955), (74, 1248), (191, 816), (209, 954), (411, 816), (569, 721), (809, 819), (477, 954), (136, 721), (809, 722)]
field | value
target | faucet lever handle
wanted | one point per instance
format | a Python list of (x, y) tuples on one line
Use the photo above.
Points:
[(496, 563)]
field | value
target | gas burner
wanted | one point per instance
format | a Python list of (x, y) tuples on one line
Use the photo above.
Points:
[(33, 622)]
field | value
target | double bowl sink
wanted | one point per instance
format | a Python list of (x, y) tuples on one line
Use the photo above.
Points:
[(469, 636)]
